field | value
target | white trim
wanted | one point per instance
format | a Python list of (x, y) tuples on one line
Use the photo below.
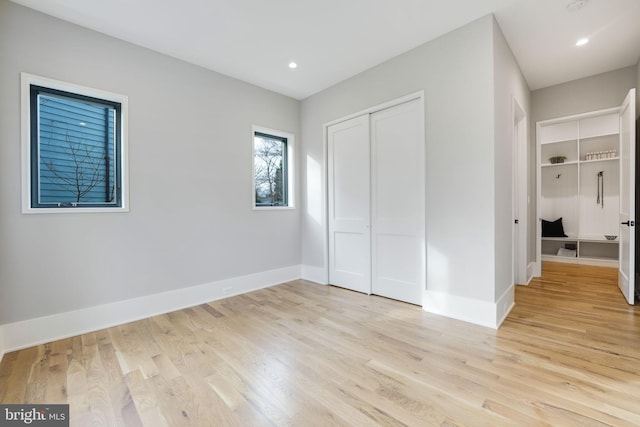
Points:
[(483, 313), (40, 330), (520, 145), (291, 168), (538, 257), (324, 183), (273, 208), (315, 274), (505, 304), (579, 116), (397, 101), (537, 268), (1, 342), (26, 80), (531, 271), (582, 261)]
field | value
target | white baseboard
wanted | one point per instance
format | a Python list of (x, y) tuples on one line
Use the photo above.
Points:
[(27, 333), (315, 274), (613, 263), (536, 268), (1, 342), (483, 313), (505, 304), (531, 271)]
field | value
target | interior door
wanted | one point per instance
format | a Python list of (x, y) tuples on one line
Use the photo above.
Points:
[(398, 202), (627, 197), (349, 204)]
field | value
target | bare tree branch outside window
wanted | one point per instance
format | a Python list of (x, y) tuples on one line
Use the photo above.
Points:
[(269, 158), (74, 151), (87, 168)]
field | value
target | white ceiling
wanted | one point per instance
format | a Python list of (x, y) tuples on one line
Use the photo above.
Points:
[(331, 40)]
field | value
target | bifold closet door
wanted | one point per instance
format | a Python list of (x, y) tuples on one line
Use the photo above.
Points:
[(349, 204), (398, 203)]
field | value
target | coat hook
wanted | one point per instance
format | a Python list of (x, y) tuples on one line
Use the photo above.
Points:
[(558, 176)]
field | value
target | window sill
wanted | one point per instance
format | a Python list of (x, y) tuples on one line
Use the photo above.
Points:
[(274, 208), (71, 210)]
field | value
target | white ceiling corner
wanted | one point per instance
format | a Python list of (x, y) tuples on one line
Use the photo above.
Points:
[(332, 40)]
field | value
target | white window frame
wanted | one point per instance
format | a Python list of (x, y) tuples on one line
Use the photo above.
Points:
[(291, 172), (26, 80)]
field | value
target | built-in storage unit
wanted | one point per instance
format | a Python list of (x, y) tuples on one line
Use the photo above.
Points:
[(579, 181), (586, 175)]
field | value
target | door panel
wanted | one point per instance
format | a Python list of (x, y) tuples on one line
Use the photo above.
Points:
[(627, 197), (349, 204), (398, 255)]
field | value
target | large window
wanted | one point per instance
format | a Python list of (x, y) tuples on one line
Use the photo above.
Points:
[(272, 168), (74, 147)]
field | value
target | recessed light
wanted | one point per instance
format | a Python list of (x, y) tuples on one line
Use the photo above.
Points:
[(293, 65), (576, 4), (582, 41)]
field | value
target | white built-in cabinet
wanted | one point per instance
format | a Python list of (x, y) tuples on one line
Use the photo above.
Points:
[(592, 190), (583, 190), (376, 197)]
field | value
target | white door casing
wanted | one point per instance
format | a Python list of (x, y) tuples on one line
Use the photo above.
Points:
[(520, 199), (627, 197)]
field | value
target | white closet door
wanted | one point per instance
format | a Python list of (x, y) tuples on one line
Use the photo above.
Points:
[(349, 205), (627, 197), (398, 199)]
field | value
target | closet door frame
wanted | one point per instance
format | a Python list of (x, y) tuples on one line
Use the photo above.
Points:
[(395, 102)]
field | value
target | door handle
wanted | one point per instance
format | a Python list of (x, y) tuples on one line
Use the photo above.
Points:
[(628, 223)]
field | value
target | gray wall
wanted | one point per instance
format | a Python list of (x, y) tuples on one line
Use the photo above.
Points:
[(638, 89), (509, 85), (579, 96), (583, 95), (456, 73), (191, 220)]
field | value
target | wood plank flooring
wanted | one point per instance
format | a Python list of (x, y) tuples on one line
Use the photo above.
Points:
[(300, 354)]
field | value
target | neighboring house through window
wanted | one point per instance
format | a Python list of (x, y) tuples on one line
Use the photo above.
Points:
[(74, 147)]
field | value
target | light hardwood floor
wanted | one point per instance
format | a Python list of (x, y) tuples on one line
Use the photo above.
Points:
[(300, 354)]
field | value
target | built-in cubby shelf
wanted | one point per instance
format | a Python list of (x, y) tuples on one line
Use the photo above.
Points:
[(585, 249), (575, 162), (583, 190)]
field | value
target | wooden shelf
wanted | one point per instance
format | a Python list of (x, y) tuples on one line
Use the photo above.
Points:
[(571, 162), (575, 162), (605, 262), (613, 159), (559, 256), (560, 141), (579, 239), (598, 241)]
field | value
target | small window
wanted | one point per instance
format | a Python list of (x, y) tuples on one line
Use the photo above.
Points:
[(272, 168), (74, 147)]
